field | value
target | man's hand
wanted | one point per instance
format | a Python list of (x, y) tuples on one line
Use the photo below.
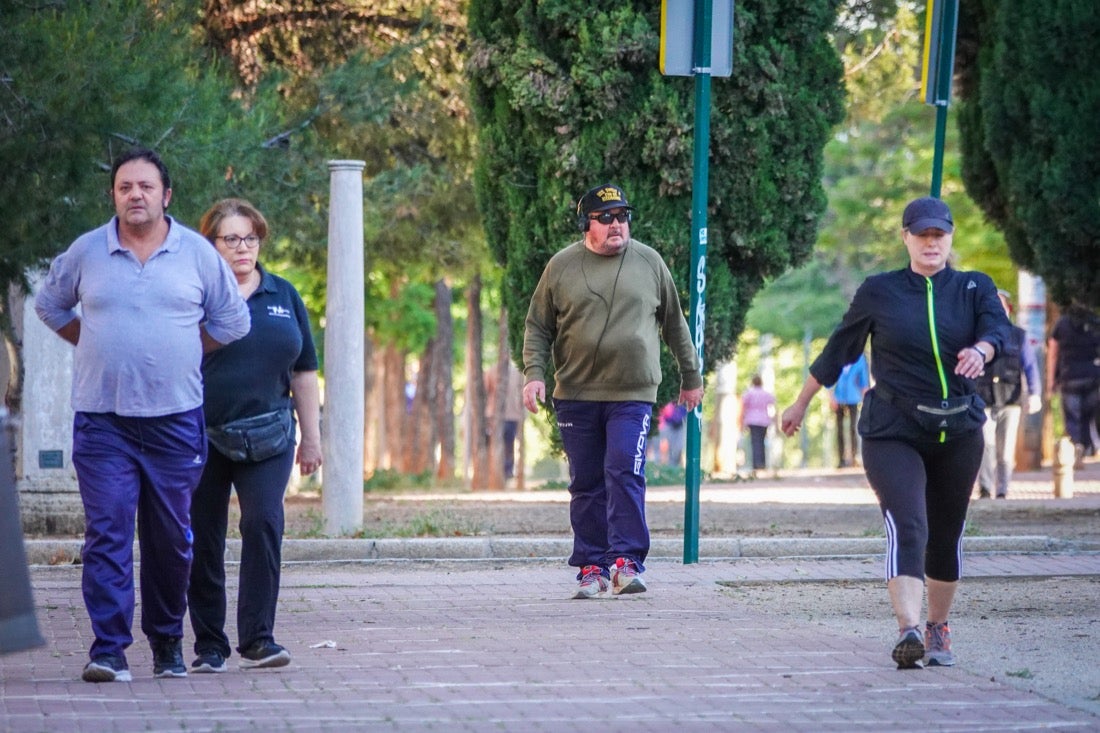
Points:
[(690, 398), (534, 392)]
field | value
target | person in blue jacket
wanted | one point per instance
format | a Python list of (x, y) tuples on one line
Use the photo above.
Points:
[(847, 394), (933, 329)]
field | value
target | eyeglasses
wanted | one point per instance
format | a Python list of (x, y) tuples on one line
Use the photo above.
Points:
[(233, 241), (606, 217)]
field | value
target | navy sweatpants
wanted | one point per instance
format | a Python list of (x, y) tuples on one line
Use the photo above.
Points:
[(260, 488), (606, 446), (144, 468)]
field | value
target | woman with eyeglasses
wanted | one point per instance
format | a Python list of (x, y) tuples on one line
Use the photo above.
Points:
[(249, 393), (599, 312)]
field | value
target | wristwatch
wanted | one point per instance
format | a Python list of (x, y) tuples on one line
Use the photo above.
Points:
[(980, 350)]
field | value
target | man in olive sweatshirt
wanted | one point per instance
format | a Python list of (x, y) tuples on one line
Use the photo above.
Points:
[(598, 314)]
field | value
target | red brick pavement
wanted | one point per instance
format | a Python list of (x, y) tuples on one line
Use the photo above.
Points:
[(494, 646)]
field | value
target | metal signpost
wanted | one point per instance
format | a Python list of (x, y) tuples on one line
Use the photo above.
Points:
[(937, 66), (707, 25)]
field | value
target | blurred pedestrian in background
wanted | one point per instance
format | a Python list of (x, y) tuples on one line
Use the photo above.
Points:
[(757, 414), (1073, 369), (672, 423), (845, 397), (1001, 388)]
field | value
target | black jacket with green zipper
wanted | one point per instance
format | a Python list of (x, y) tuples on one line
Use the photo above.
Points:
[(917, 326)]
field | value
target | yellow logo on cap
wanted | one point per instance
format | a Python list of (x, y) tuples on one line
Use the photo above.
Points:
[(609, 194)]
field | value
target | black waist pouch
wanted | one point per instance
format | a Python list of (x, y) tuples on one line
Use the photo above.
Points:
[(253, 439), (951, 416)]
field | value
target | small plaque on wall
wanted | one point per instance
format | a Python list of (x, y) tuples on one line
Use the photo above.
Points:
[(51, 459)]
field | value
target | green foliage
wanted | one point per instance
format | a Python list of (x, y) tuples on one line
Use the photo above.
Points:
[(568, 95), (1028, 122), (387, 479), (83, 81), (878, 159)]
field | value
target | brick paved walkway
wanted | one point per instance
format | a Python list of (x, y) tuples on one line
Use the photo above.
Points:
[(494, 646)]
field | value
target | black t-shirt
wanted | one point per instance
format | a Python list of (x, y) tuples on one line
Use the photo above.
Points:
[(251, 376)]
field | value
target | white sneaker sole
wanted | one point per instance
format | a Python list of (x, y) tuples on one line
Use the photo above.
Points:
[(275, 660), (98, 673), (588, 591), (636, 585)]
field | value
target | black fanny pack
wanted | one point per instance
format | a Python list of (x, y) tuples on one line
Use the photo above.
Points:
[(254, 439), (951, 416)]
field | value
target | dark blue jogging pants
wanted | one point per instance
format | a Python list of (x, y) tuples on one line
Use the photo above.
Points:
[(144, 468), (606, 446)]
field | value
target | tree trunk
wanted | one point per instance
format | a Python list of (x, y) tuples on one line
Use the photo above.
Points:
[(478, 437), (394, 423), (444, 397), (372, 415), (420, 435), (11, 330), (495, 427)]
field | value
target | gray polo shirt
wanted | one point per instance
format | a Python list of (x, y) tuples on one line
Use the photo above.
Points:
[(140, 352)]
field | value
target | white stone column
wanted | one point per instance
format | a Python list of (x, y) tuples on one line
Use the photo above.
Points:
[(48, 492), (342, 418)]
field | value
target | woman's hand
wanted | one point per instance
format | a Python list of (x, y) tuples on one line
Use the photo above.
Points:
[(791, 421)]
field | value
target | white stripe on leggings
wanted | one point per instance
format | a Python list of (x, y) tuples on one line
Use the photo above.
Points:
[(891, 545)]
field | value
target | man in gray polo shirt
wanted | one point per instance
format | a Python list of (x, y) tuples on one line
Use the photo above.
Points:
[(153, 296)]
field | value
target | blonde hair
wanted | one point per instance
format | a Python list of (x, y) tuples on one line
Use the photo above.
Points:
[(226, 208)]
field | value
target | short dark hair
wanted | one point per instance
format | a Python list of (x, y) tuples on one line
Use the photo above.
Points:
[(141, 154)]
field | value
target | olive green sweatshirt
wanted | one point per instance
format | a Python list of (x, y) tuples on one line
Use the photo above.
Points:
[(600, 319)]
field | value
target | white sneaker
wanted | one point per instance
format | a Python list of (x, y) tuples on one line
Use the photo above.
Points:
[(626, 578), (592, 582)]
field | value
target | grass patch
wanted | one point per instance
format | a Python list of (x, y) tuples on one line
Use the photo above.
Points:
[(436, 523), (389, 480)]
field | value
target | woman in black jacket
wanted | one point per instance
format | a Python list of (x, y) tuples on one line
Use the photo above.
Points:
[(932, 330)]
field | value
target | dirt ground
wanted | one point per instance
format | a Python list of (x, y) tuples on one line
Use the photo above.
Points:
[(795, 505)]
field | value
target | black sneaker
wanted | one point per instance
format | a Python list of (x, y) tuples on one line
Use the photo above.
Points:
[(909, 651), (263, 654), (168, 658), (209, 662), (106, 668)]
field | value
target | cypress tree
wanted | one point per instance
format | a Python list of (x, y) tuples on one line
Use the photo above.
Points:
[(568, 95), (1028, 131)]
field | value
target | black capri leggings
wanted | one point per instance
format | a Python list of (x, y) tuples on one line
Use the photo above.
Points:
[(923, 490)]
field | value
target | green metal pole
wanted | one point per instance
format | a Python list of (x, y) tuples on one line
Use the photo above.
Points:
[(937, 152), (702, 41), (946, 70)]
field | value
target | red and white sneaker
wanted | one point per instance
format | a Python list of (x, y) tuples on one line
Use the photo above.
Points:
[(626, 578), (592, 582)]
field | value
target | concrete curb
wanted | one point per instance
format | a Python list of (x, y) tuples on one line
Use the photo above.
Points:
[(66, 552)]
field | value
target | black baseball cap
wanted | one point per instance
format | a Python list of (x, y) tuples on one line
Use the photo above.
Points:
[(601, 198), (927, 213)]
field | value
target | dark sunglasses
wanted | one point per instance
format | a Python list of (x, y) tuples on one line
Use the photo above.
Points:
[(606, 217)]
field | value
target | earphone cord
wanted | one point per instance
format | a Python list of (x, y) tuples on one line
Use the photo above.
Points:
[(608, 304)]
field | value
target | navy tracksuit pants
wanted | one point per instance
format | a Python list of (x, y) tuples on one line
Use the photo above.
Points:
[(144, 468), (606, 446), (260, 488)]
